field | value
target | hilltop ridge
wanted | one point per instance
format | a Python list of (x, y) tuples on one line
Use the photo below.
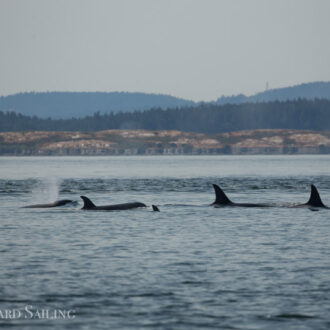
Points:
[(307, 91), (65, 105)]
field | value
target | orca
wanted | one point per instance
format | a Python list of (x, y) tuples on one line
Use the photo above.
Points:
[(314, 200), (89, 205), (55, 204), (155, 208), (222, 200)]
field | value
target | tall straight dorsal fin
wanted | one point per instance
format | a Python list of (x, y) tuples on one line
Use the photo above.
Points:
[(315, 199), (88, 204), (220, 196)]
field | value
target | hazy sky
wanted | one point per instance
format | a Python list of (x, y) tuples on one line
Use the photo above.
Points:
[(195, 49)]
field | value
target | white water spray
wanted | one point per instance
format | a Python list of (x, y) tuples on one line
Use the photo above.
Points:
[(47, 191)]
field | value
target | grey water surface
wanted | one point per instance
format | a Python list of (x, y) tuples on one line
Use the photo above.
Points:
[(190, 266)]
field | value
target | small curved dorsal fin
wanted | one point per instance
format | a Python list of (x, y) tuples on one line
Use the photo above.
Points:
[(155, 208), (315, 199), (220, 196), (88, 204)]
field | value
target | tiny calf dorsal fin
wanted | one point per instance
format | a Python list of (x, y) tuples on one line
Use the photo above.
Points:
[(155, 208), (88, 204), (315, 199), (220, 196)]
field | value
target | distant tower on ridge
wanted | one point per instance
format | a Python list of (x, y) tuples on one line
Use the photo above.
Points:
[(267, 86)]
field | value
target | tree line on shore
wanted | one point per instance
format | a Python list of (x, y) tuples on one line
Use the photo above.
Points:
[(206, 118)]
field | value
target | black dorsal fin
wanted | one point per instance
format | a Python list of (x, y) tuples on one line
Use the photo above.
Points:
[(220, 196), (315, 199), (88, 204), (155, 208)]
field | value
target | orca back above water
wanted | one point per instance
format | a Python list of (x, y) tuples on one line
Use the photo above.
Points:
[(89, 205), (314, 200), (222, 200), (60, 202), (313, 203)]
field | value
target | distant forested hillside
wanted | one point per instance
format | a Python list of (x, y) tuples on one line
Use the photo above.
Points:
[(308, 91), (65, 105), (74, 104), (205, 118)]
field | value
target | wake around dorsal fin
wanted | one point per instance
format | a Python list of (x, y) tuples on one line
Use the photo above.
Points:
[(88, 204), (315, 199), (220, 196)]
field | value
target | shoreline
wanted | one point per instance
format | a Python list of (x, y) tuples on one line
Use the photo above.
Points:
[(171, 143)]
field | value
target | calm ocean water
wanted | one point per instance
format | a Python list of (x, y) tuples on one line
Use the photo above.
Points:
[(190, 266)]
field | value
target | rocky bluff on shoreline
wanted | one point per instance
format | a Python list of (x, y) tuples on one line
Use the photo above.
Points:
[(143, 142)]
